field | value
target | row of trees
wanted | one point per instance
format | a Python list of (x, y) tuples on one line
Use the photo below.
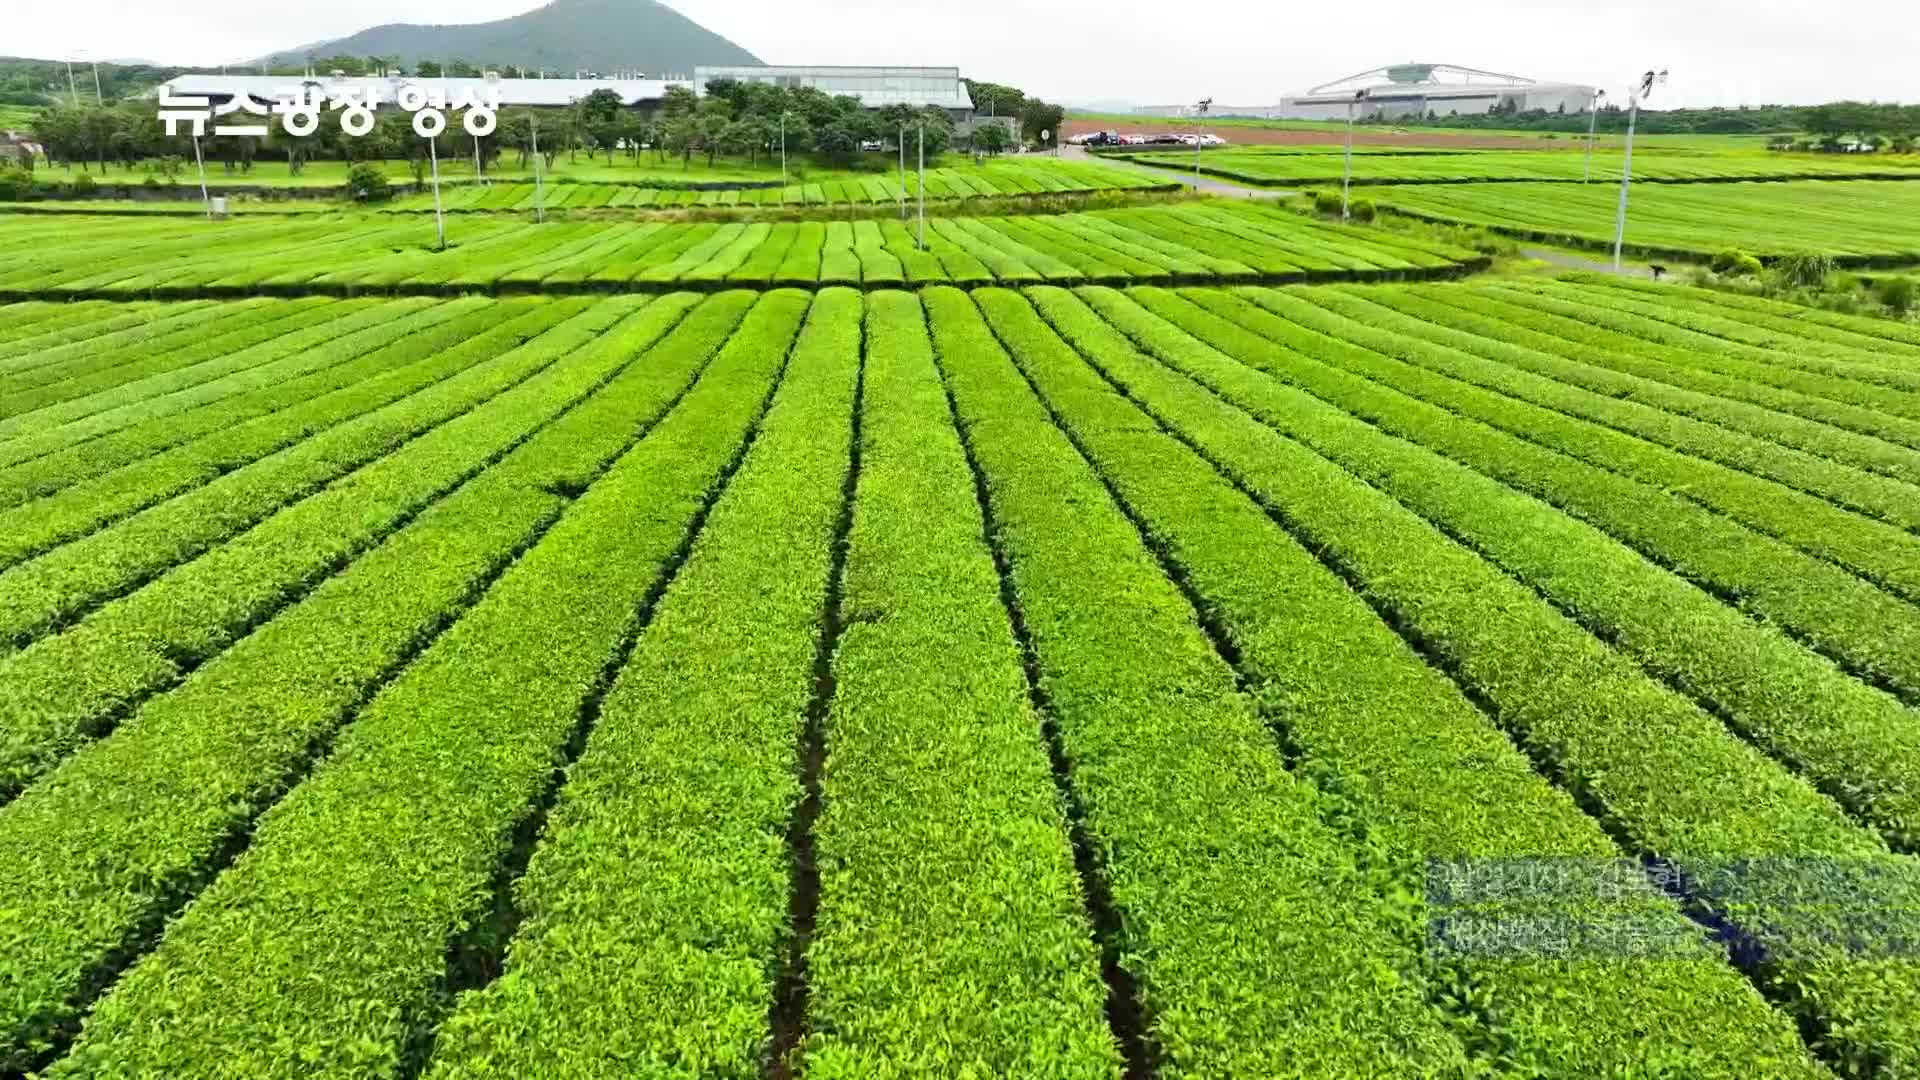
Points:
[(1037, 117), (1831, 122), (735, 120)]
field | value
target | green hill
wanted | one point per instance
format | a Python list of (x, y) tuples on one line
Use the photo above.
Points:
[(594, 35)]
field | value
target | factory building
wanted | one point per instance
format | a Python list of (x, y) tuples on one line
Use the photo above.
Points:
[(876, 87), (1416, 89)]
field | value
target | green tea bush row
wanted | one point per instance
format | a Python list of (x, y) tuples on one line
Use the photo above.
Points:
[(1374, 724), (130, 827), (1279, 958), (359, 884)]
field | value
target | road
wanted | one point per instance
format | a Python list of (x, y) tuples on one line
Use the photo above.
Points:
[(1206, 184)]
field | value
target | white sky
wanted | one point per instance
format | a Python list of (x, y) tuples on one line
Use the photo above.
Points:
[(1240, 52)]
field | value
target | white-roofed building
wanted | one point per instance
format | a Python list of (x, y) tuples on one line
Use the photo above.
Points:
[(876, 87)]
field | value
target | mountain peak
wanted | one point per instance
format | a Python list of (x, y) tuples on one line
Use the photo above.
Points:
[(562, 35)]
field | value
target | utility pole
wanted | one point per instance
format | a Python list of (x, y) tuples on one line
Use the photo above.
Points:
[(783, 154), (1346, 178), (98, 97), (539, 187), (901, 144), (1647, 83), (72, 90), (1199, 128), (1593, 128), (200, 163), (439, 219), (923, 185)]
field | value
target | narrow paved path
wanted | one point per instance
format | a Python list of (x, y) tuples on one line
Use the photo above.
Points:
[(1572, 261), (1206, 184)]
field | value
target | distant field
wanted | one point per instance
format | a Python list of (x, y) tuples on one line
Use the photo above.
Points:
[(997, 180), (1294, 169), (268, 171), (1862, 221), (1229, 242), (17, 117)]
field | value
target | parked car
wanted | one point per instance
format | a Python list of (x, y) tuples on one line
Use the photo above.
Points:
[(1104, 138), (872, 145)]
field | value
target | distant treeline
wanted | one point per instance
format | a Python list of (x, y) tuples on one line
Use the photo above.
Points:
[(1838, 120)]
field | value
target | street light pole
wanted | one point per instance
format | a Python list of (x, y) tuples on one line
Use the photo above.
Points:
[(1199, 129), (72, 89), (901, 145), (539, 175), (1647, 83), (98, 97), (1593, 128), (1346, 177), (923, 185), (783, 153)]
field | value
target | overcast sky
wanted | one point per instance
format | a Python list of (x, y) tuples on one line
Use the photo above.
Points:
[(1241, 52)]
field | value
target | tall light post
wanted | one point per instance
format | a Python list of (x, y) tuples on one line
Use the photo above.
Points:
[(901, 145), (783, 153), (1593, 129), (923, 186), (1647, 83), (1346, 177), (73, 90), (1199, 129)]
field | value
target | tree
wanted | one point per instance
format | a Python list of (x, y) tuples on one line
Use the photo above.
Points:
[(601, 106), (368, 183), (1038, 116), (990, 137), (427, 69)]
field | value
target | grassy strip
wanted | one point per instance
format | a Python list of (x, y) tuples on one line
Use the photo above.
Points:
[(1632, 372), (1847, 617), (65, 322), (1664, 777), (684, 788), (211, 355), (1860, 330), (37, 380), (1858, 744), (951, 938), (1510, 370), (126, 830), (66, 688), (1881, 363), (319, 361), (21, 324), (1278, 960), (1417, 764), (1854, 334), (1767, 366), (357, 889), (411, 364), (49, 591)]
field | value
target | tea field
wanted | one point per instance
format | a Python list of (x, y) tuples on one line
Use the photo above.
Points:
[(1292, 168), (346, 255), (1861, 222), (1180, 640)]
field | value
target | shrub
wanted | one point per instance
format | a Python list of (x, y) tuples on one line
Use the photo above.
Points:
[(1897, 294), (1363, 210), (1326, 202), (368, 183), (1736, 263), (84, 185), (16, 184), (1804, 269)]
